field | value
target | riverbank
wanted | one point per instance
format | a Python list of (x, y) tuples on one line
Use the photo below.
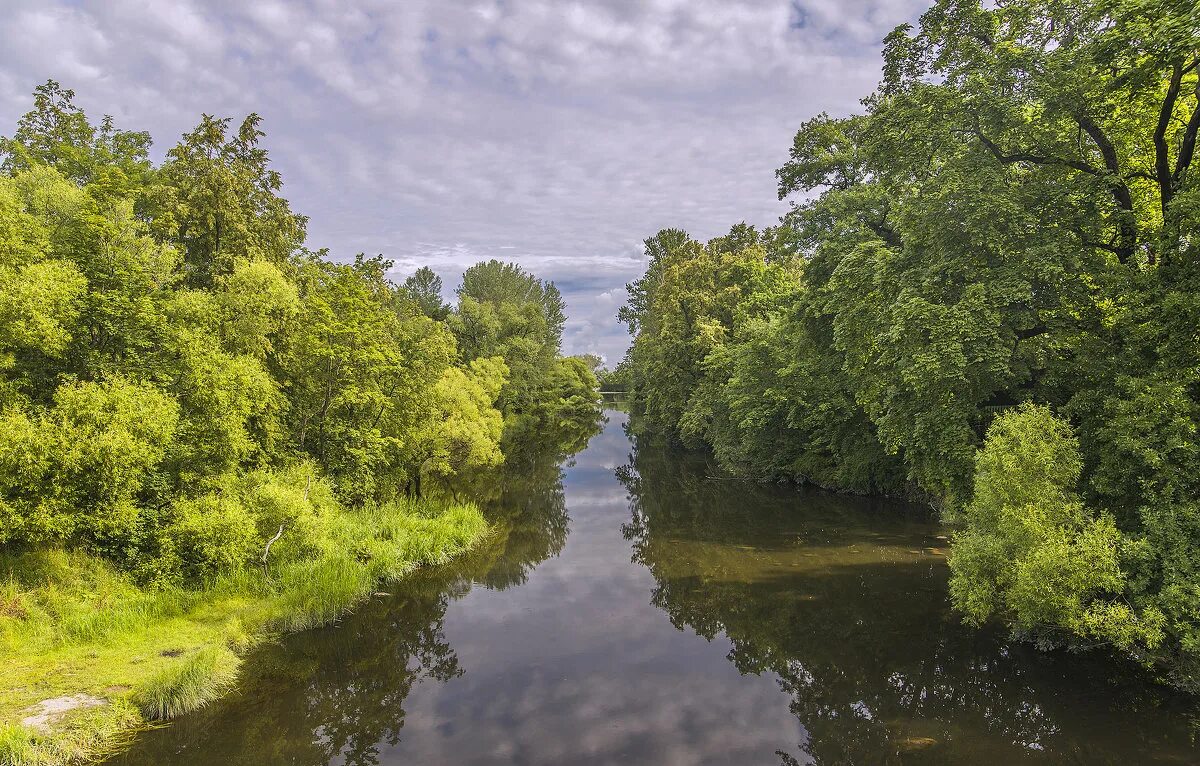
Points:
[(89, 656)]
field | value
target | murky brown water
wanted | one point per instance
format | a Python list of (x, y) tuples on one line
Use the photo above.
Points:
[(634, 609)]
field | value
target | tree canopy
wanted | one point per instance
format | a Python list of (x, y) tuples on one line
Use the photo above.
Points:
[(171, 354), (1011, 222)]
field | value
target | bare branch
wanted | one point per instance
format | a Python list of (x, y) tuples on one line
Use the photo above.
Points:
[(272, 541)]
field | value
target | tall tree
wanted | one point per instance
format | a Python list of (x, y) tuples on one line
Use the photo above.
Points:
[(57, 133), (221, 201), (425, 287)]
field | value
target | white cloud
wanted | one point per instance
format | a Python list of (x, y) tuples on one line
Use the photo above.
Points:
[(556, 134)]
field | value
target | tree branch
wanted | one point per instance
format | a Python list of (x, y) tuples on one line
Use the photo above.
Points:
[(1187, 148), (272, 541), (1032, 332), (1142, 175), (1162, 157), (1117, 186), (1036, 159), (1112, 174), (1107, 150)]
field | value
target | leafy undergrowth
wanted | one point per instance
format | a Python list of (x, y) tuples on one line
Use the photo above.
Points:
[(73, 627)]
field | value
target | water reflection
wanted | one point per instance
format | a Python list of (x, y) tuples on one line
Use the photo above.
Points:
[(634, 608), (337, 695), (844, 602)]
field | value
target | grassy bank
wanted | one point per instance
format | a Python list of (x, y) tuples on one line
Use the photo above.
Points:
[(96, 656)]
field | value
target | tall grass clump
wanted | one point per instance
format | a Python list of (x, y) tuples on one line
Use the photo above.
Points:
[(379, 543), (16, 744), (188, 685), (314, 593), (61, 598)]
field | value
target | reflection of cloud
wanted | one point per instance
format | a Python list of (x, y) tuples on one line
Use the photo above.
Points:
[(659, 717), (577, 666), (559, 135)]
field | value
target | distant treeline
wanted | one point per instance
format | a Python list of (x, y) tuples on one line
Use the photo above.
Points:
[(989, 298)]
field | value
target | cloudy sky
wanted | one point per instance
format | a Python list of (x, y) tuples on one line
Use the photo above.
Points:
[(442, 132)]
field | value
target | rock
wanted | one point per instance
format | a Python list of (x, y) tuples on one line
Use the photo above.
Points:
[(54, 708)]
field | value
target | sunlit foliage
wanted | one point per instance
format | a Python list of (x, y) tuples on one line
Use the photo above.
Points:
[(186, 390)]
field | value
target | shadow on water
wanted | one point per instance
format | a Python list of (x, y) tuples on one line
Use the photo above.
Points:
[(808, 628)]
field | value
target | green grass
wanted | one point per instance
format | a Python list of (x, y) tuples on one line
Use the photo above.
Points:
[(188, 685), (71, 624)]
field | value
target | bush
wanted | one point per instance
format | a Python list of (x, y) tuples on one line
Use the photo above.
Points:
[(295, 503), (1031, 552), (74, 472), (209, 535)]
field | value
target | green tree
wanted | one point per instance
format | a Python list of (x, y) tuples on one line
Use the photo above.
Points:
[(425, 287), (176, 373), (220, 201), (504, 311), (463, 431), (57, 133)]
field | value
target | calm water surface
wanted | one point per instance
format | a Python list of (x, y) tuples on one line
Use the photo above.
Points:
[(633, 609)]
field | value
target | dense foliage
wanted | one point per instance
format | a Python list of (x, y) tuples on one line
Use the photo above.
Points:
[(183, 385), (1002, 246)]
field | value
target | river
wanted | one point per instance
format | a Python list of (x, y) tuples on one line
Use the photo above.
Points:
[(633, 607)]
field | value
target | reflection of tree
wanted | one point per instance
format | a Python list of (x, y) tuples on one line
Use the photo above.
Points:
[(525, 505), (838, 601), (336, 695), (326, 695)]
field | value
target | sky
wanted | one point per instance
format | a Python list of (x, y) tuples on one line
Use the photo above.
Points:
[(555, 134)]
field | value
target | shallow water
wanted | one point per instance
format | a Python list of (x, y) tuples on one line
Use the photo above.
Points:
[(633, 608)]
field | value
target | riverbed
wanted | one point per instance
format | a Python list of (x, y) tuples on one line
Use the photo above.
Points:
[(636, 606)]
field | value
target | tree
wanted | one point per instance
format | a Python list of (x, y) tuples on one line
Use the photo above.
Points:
[(57, 133), (221, 204), (463, 431), (425, 287), (496, 283), (181, 382), (360, 373), (504, 311)]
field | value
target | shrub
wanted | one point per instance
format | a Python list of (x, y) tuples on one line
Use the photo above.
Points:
[(73, 473), (209, 535), (296, 503), (1030, 551)]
